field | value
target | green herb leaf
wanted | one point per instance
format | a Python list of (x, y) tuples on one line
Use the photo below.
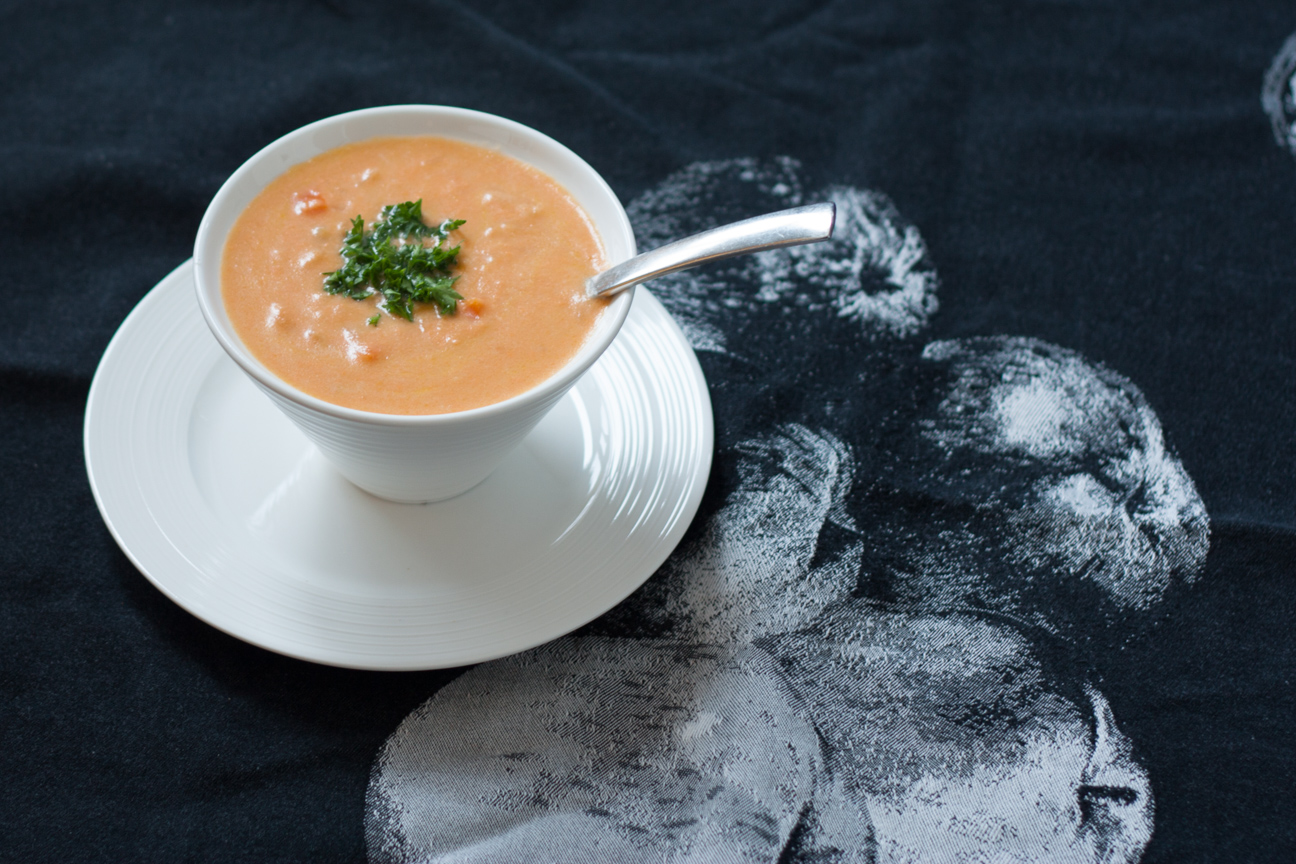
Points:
[(373, 320), (394, 260)]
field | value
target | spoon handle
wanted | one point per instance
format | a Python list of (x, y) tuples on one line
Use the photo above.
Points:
[(794, 227)]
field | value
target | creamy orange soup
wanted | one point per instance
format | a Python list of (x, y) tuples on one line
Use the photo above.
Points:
[(526, 250)]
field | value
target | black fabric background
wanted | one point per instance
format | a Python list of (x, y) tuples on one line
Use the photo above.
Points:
[(1096, 174)]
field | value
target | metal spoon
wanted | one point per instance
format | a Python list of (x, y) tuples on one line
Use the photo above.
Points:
[(794, 227)]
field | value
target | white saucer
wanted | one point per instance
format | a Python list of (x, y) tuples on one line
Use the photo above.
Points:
[(226, 508)]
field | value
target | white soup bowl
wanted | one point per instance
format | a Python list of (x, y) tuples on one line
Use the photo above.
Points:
[(413, 458)]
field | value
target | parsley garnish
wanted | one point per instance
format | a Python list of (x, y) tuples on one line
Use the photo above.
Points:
[(392, 260)]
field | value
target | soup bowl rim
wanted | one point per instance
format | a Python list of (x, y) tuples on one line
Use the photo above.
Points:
[(306, 142)]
